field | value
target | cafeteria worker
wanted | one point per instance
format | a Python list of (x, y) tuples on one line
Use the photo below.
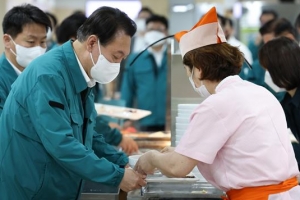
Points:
[(48, 144), (237, 137)]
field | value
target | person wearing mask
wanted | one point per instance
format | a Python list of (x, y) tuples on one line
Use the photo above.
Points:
[(138, 43), (47, 124), (145, 81), (24, 37), (238, 136), (281, 58), (272, 29), (66, 31)]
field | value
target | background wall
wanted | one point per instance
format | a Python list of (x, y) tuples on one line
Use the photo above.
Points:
[(178, 21)]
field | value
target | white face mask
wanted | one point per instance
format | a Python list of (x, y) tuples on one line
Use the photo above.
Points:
[(24, 55), (271, 84), (153, 36), (104, 71), (202, 91), (140, 25)]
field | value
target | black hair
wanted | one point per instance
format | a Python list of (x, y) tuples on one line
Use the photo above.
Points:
[(16, 18), (269, 12), (278, 27), (53, 18), (69, 26), (222, 20), (158, 18), (283, 26), (230, 22), (146, 9), (105, 22), (281, 57), (267, 27)]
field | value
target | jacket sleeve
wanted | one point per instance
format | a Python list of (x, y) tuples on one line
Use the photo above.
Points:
[(111, 136), (53, 126), (128, 85), (102, 149)]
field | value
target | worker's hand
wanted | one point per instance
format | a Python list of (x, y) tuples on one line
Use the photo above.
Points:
[(167, 149), (128, 145), (132, 180), (144, 164)]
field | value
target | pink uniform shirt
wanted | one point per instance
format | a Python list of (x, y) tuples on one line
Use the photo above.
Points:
[(239, 136)]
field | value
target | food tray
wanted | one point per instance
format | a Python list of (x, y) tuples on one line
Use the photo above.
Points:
[(121, 112)]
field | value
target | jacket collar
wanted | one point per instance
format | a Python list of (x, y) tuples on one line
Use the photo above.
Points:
[(73, 67)]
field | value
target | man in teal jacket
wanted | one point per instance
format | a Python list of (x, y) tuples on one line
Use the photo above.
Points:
[(25, 28), (48, 143), (145, 82), (68, 30)]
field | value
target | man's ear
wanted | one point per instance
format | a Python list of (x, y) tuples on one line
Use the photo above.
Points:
[(91, 41), (7, 41)]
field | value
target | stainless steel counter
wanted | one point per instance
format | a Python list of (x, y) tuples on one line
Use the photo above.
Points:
[(181, 191), (97, 191), (201, 190)]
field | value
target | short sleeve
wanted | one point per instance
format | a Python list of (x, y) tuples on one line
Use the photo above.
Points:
[(205, 135)]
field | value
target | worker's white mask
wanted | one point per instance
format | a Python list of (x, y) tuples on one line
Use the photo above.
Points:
[(202, 91), (140, 25), (153, 36), (104, 71), (24, 55), (271, 84)]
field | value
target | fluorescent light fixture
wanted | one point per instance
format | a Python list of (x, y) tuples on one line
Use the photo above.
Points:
[(237, 10), (182, 8)]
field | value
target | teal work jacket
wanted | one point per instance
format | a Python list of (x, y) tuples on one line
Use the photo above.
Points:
[(7, 78), (48, 143), (146, 84)]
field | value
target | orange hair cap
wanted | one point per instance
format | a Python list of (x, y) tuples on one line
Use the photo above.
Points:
[(207, 31)]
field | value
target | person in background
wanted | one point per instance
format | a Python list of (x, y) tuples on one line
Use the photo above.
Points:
[(50, 40), (47, 124), (137, 45), (281, 58), (24, 37), (272, 29), (66, 31), (228, 28), (238, 136), (255, 44), (145, 82)]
